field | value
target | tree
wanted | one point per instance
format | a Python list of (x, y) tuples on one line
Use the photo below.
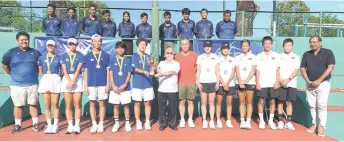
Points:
[(12, 17), (246, 5), (295, 13)]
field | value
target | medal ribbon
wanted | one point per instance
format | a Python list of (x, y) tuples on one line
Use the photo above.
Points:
[(143, 61), (120, 64), (71, 60), (49, 62), (98, 59)]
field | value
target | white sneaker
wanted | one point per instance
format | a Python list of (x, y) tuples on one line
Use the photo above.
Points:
[(127, 127), (93, 129), (182, 123), (76, 129), (261, 124), (54, 129), (148, 126), (280, 125), (290, 126), (70, 129), (48, 130), (229, 124), (248, 125), (191, 124), (115, 127), (139, 125), (272, 125), (211, 124), (205, 124), (100, 129), (243, 125), (219, 124)]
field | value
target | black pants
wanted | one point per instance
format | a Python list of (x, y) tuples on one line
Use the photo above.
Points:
[(171, 118), (129, 44)]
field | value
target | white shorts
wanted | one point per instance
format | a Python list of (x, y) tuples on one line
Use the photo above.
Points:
[(76, 88), (97, 93), (24, 95), (50, 83), (123, 98), (145, 94)]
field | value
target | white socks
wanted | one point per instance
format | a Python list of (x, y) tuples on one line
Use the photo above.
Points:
[(34, 120), (94, 123), (49, 122), (18, 122), (242, 119), (77, 122), (56, 121), (261, 116), (271, 118), (70, 123)]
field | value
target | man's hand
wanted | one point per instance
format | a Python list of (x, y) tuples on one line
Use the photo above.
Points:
[(200, 87), (316, 83), (217, 86), (285, 82), (258, 87)]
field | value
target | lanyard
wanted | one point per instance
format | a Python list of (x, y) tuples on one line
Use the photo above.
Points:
[(71, 60), (49, 62), (98, 59)]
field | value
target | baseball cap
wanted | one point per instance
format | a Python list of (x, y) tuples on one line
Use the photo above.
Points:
[(225, 45), (72, 40), (96, 36), (207, 43), (51, 42)]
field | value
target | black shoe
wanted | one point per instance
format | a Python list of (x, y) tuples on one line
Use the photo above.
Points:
[(16, 129), (162, 128), (173, 128), (36, 127)]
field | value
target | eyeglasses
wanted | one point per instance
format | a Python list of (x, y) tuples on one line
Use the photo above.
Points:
[(169, 53)]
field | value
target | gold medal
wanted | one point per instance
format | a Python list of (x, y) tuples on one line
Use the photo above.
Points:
[(120, 73), (71, 60), (97, 59), (71, 69), (120, 64), (48, 62)]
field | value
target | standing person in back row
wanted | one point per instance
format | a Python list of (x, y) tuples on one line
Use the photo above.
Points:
[(108, 26), (24, 80), (70, 26), (204, 28), (267, 81), (91, 24), (316, 67), (144, 30), (226, 29), (126, 29), (186, 26), (52, 23), (167, 30), (289, 68), (186, 81)]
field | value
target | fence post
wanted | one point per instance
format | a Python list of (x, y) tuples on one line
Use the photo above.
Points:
[(338, 32), (320, 23), (78, 14), (296, 31), (155, 30), (242, 22), (305, 23)]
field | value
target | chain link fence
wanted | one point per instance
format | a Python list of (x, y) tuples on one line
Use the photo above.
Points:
[(286, 24)]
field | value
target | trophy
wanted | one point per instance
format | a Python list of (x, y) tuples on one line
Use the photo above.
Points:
[(152, 66)]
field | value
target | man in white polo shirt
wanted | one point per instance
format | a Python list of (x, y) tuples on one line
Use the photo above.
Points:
[(289, 67), (267, 82), (168, 90)]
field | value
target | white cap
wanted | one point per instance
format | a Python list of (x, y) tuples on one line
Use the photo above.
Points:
[(72, 40), (51, 42), (96, 36)]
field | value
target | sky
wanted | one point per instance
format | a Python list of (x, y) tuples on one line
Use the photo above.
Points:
[(214, 5)]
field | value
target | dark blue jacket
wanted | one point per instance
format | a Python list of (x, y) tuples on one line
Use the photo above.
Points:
[(204, 29), (91, 27), (226, 30), (144, 31), (52, 26), (185, 29), (168, 32), (70, 27), (109, 29), (126, 30)]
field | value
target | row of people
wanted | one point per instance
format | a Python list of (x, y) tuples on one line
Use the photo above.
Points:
[(271, 74)]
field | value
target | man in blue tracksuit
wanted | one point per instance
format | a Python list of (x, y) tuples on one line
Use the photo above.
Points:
[(186, 26), (108, 26), (70, 26), (204, 28), (226, 29), (144, 30), (167, 31), (52, 23), (91, 24)]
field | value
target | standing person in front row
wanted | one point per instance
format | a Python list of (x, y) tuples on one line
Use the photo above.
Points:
[(120, 73), (126, 29), (204, 28), (24, 80), (186, 81), (289, 67), (226, 89), (96, 81), (50, 85), (142, 83), (267, 80), (168, 90), (316, 67), (72, 84), (245, 69), (208, 82)]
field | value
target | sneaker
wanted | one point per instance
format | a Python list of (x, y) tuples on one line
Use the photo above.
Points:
[(289, 126), (248, 125), (205, 124), (115, 127), (54, 129), (229, 124), (100, 129), (191, 124), (36, 127), (272, 125), (48, 130), (182, 123), (261, 125), (127, 127), (70, 129), (243, 125), (211, 124), (16, 129), (76, 129), (280, 125), (139, 125), (93, 129), (148, 126), (219, 124), (312, 129), (321, 131)]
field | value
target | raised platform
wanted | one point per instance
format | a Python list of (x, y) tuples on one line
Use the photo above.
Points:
[(182, 134)]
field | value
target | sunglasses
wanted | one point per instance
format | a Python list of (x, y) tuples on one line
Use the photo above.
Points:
[(169, 53)]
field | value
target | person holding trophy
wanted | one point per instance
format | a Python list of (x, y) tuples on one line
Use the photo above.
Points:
[(143, 65)]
